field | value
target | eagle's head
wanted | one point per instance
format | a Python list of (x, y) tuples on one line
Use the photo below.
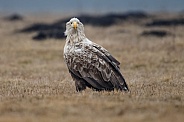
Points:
[(74, 26)]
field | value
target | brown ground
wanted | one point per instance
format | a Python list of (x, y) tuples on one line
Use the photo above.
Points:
[(36, 86)]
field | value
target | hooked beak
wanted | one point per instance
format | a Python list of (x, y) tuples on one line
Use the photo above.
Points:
[(75, 25)]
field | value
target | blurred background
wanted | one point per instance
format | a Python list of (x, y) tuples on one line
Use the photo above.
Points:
[(97, 13), (92, 6)]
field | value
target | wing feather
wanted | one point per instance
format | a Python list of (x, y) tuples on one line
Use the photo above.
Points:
[(107, 54), (102, 52)]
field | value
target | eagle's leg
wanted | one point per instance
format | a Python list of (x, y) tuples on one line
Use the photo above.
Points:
[(80, 85)]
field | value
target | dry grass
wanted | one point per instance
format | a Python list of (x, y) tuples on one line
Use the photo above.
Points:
[(36, 86)]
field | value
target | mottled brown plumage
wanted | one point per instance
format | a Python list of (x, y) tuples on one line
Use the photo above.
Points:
[(90, 64)]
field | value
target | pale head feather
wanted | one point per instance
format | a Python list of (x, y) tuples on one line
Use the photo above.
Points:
[(74, 35), (71, 31)]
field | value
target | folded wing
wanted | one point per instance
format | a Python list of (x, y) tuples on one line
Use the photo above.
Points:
[(93, 66)]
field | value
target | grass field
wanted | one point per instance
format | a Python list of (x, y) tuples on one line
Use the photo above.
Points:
[(35, 85)]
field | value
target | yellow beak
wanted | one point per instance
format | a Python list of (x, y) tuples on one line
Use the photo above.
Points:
[(75, 25)]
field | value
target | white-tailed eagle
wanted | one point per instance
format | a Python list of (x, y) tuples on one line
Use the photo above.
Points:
[(89, 64)]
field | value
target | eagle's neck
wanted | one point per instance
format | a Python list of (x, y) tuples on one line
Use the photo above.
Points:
[(72, 39), (75, 37)]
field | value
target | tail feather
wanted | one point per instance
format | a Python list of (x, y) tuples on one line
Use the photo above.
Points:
[(122, 86)]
